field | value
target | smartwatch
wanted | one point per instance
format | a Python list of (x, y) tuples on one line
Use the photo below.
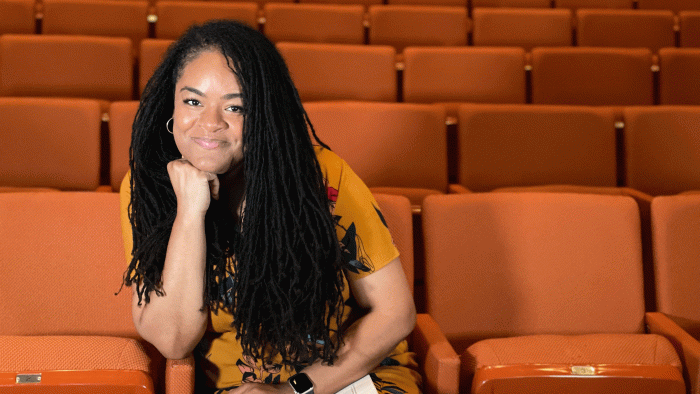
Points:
[(301, 384)]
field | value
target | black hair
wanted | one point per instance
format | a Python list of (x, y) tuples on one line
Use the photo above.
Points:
[(284, 256)]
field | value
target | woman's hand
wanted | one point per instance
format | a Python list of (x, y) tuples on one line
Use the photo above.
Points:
[(193, 188), (261, 388)]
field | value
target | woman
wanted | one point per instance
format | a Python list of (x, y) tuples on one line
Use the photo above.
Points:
[(255, 250)]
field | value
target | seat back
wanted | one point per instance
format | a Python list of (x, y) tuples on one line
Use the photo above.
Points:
[(151, 54), (396, 210), (115, 18), (64, 261), (576, 4), (510, 264), (592, 76), (675, 234), (528, 145), (69, 66), (449, 3), (689, 22), (121, 118), (464, 74), (661, 149), (329, 23), (174, 17), (673, 5), (678, 77), (401, 26), (386, 144), (653, 29), (17, 17), (522, 27), (511, 3), (341, 72), (50, 143)]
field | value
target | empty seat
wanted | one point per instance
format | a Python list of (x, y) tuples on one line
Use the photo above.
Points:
[(452, 3), (401, 26), (57, 143), (70, 66), (511, 3), (678, 76), (365, 3), (341, 72), (673, 5), (689, 28), (676, 229), (121, 117), (592, 76), (63, 260), (17, 17), (464, 74), (662, 148), (528, 145), (575, 4), (523, 27), (151, 54), (526, 286), (395, 148), (116, 18), (329, 23), (653, 29), (174, 17)]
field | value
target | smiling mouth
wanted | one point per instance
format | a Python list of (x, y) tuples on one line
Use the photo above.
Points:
[(208, 143)]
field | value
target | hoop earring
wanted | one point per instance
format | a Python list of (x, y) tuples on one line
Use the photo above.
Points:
[(170, 130)]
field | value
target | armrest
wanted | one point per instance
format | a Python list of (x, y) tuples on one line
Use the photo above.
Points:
[(179, 376), (688, 348), (455, 188), (439, 361)]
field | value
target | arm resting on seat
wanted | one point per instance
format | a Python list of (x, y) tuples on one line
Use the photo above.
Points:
[(179, 376), (688, 348), (439, 361)]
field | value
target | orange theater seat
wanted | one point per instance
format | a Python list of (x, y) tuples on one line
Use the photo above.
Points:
[(592, 76), (329, 23), (673, 5), (151, 54), (115, 18), (67, 66), (662, 148), (511, 3), (50, 143), (653, 29), (17, 17), (174, 17), (121, 118), (365, 3), (528, 145), (678, 76), (575, 4), (341, 72), (689, 28), (526, 287), (453, 75), (63, 261), (396, 148), (522, 27), (450, 3), (401, 26)]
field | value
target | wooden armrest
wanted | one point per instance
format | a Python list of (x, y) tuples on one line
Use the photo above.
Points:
[(688, 348), (439, 360), (179, 376)]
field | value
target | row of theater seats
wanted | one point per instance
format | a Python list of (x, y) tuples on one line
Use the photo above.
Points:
[(396, 25), (103, 68), (405, 147), (525, 292)]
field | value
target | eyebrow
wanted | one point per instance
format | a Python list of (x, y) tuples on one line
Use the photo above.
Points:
[(228, 96)]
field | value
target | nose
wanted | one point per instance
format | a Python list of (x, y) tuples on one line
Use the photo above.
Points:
[(211, 120)]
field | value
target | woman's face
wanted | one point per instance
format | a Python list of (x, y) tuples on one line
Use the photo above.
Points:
[(208, 114)]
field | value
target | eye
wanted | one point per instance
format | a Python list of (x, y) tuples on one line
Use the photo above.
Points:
[(191, 102), (235, 108)]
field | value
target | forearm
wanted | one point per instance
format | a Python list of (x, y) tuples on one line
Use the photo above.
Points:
[(367, 343), (175, 322)]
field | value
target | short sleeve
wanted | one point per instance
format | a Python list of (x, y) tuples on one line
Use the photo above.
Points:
[(364, 237), (125, 199)]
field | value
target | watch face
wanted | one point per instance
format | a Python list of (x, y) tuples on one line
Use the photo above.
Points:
[(301, 383)]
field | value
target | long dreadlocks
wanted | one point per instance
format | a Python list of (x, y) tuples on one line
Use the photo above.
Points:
[(283, 257)]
